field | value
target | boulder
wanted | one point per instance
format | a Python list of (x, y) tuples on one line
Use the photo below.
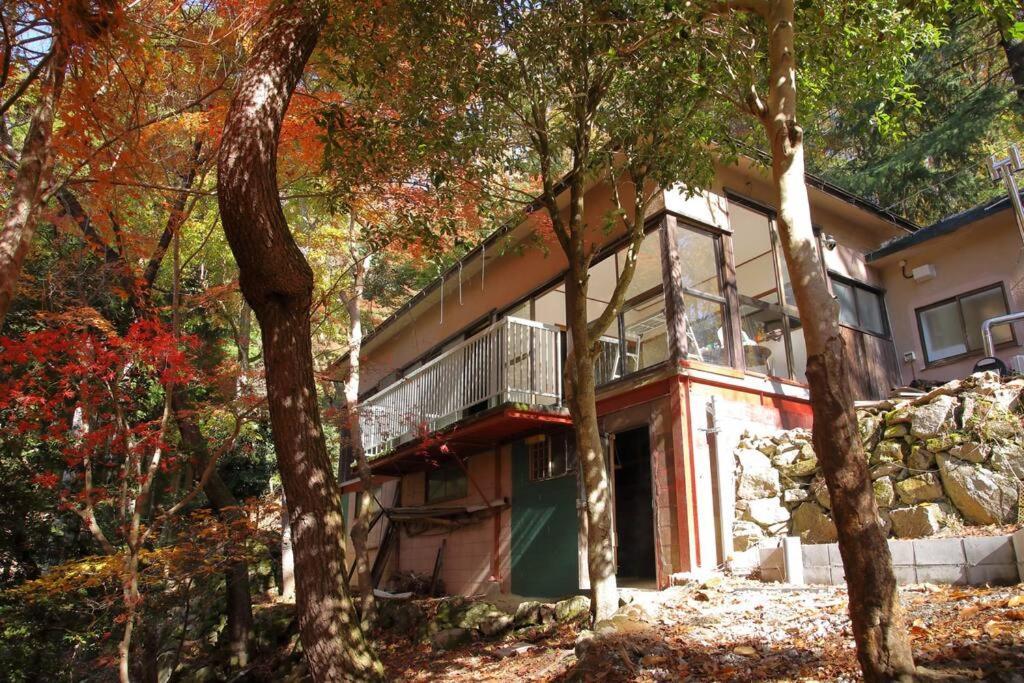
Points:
[(970, 451), (745, 535), (449, 613), (495, 625), (919, 489), (571, 610), (450, 638), (820, 492), (982, 496), (868, 426), (766, 511), (757, 478), (884, 494), (888, 451), (896, 431), (920, 458), (1008, 458), (532, 634), (527, 614), (928, 420), (786, 453), (943, 442), (403, 617), (812, 525), (899, 414), (888, 469), (478, 614), (916, 521), (801, 468), (885, 519), (798, 495)]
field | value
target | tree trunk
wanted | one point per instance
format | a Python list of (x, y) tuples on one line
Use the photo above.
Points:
[(1013, 48), (287, 553), (361, 522), (581, 395), (882, 644), (277, 282), (31, 179)]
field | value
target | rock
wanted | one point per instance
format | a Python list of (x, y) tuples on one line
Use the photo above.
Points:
[(897, 431), (516, 649), (619, 624), (766, 511), (403, 617), (944, 442), (449, 613), (778, 529), (920, 458), (928, 420), (812, 525), (999, 423), (888, 469), (898, 414), (527, 613), (888, 452), (1008, 458), (884, 494), (478, 614), (919, 489), (495, 625), (982, 496), (885, 519), (745, 535), (868, 426), (786, 453), (571, 610), (757, 478), (532, 634), (820, 492), (801, 468), (917, 521), (971, 451), (795, 496), (450, 638)]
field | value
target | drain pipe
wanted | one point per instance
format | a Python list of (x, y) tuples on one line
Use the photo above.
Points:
[(986, 330)]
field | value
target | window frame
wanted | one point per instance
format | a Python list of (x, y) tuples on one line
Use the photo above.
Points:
[(445, 468), (877, 291), (721, 299), (548, 443), (958, 300)]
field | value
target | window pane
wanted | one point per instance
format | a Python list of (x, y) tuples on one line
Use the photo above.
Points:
[(943, 336), (755, 261), (796, 340), (550, 307), (764, 346), (646, 334), (601, 286), (869, 310), (847, 303), (521, 311), (977, 308), (698, 260), (647, 275), (705, 330)]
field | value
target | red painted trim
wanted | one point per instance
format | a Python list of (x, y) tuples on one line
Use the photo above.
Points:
[(642, 394)]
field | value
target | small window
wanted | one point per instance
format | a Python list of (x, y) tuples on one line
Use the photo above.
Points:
[(447, 482), (551, 457), (860, 306), (952, 328)]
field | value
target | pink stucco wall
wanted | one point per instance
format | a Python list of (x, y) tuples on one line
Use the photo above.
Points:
[(978, 255)]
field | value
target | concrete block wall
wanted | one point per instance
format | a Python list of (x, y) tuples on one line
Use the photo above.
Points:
[(972, 561)]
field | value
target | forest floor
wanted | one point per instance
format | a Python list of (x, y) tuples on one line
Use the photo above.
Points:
[(740, 630)]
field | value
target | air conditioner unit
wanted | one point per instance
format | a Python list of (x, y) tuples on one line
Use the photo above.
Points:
[(1017, 364)]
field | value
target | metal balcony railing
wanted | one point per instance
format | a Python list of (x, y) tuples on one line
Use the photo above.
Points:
[(512, 361)]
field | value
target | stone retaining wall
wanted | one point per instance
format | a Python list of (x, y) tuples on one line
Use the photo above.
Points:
[(952, 457)]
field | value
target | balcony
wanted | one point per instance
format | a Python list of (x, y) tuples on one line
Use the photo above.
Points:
[(514, 361)]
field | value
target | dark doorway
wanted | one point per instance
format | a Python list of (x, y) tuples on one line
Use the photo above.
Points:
[(634, 512)]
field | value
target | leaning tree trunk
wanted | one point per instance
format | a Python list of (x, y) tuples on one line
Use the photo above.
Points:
[(361, 523), (1013, 48), (581, 396), (287, 553), (878, 628), (278, 284), (31, 180)]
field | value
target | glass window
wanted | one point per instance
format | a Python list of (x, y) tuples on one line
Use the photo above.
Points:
[(550, 307), (446, 482), (859, 306), (952, 328), (700, 279), (646, 333), (772, 335), (647, 275), (551, 457)]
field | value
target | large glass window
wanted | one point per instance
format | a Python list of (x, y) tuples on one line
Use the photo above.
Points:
[(952, 328), (447, 482), (772, 334), (707, 333), (860, 306)]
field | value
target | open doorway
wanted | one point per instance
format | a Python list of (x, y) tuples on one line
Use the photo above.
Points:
[(634, 512)]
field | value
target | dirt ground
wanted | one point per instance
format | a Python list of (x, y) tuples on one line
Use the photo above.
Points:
[(738, 630)]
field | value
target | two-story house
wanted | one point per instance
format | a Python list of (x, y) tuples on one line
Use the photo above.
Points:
[(461, 392)]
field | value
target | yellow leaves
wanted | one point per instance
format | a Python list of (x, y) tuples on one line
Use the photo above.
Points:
[(744, 651), (997, 629), (918, 629), (1016, 601)]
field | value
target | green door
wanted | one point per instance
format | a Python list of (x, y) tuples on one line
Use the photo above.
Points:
[(544, 533)]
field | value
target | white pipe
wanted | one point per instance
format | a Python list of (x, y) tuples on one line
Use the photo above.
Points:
[(986, 330)]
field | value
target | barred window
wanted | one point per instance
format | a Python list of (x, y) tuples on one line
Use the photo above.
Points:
[(551, 456)]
